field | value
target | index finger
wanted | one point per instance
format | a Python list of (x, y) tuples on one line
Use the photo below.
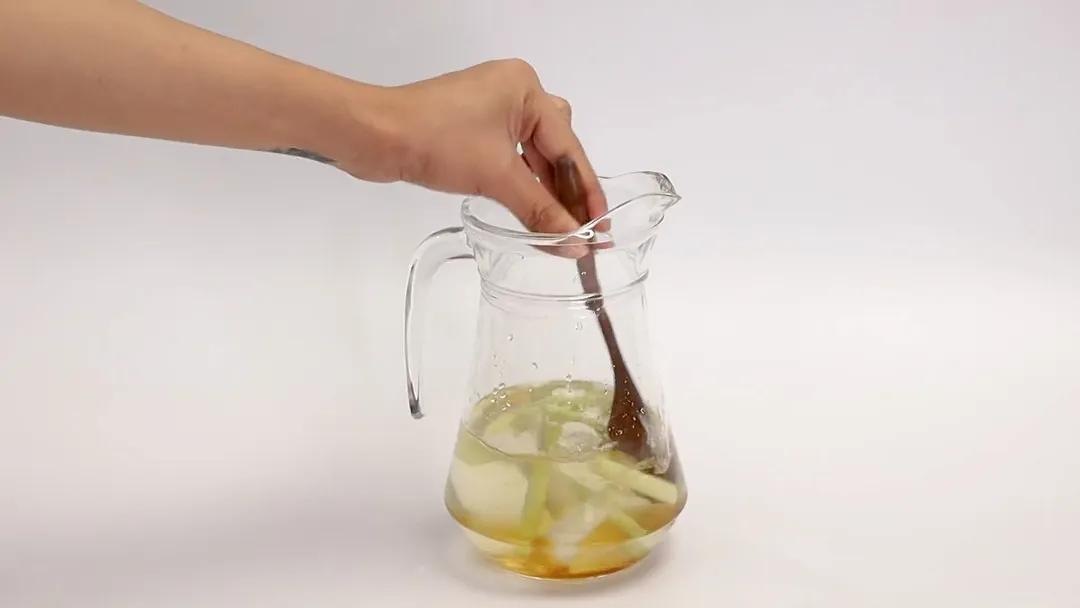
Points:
[(554, 138)]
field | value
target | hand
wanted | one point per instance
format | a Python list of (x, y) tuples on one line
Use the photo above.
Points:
[(459, 133), (122, 67)]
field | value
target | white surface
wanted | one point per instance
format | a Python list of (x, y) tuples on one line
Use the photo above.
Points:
[(201, 385)]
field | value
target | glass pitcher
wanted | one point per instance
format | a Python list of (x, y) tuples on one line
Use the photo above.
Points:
[(535, 481)]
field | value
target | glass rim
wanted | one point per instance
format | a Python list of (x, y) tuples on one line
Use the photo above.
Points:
[(587, 231)]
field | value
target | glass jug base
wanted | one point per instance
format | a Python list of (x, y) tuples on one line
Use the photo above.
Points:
[(605, 552)]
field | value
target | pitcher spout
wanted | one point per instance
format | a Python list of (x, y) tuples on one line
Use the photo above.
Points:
[(637, 204)]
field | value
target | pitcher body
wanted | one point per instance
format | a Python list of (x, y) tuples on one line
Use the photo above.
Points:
[(535, 481)]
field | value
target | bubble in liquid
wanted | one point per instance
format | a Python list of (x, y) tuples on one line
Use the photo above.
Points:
[(578, 326), (510, 337), (535, 366)]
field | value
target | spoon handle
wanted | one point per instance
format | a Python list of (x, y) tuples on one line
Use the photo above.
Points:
[(625, 426)]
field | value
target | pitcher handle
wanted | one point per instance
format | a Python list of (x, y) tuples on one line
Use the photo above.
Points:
[(438, 248)]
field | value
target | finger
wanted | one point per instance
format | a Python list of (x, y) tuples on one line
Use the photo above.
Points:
[(569, 191), (541, 168), (546, 174), (566, 110), (553, 138), (547, 179), (563, 106), (536, 161), (534, 206)]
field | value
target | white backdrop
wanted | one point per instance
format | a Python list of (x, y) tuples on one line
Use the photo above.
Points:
[(865, 312)]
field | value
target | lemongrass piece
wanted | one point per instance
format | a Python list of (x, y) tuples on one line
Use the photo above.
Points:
[(562, 414), (587, 480), (511, 445), (584, 483), (536, 498), (471, 450), (502, 424), (526, 419), (624, 522), (539, 479), (619, 517), (634, 545), (573, 528), (564, 493), (655, 488), (627, 524)]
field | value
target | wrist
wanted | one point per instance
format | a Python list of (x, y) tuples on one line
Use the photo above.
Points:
[(359, 128)]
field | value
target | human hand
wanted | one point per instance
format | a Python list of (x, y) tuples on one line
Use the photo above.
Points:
[(123, 67), (459, 133)]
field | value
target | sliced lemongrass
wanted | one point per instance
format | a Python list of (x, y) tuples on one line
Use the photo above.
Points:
[(582, 483), (471, 451), (588, 481), (564, 493), (573, 528), (539, 479), (526, 418), (502, 424), (619, 474), (627, 524), (563, 414), (635, 545), (536, 498)]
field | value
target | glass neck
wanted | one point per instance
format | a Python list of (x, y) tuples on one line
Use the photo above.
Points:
[(515, 302), (535, 276)]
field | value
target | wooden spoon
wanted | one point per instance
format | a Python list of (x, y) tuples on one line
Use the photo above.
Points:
[(625, 426)]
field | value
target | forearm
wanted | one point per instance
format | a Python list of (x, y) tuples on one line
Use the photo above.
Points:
[(120, 67)]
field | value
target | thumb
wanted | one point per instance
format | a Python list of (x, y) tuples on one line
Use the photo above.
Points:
[(520, 192)]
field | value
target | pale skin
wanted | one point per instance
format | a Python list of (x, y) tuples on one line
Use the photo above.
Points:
[(117, 66)]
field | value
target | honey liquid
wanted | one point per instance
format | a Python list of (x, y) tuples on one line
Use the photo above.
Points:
[(538, 490)]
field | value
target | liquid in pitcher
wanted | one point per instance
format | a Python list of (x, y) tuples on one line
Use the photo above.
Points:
[(539, 490)]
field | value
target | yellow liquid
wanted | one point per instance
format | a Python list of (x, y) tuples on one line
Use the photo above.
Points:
[(539, 491)]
